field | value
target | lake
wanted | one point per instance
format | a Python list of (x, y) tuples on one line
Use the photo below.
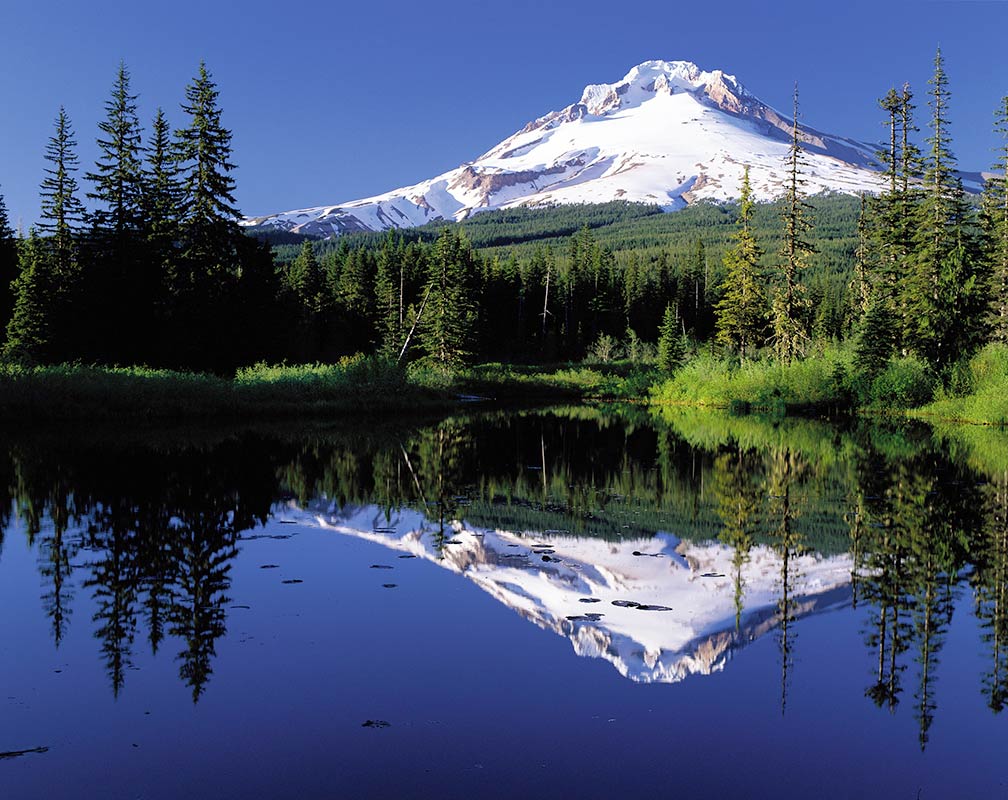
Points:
[(575, 602)]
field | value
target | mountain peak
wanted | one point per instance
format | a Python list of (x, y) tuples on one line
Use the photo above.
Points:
[(662, 77), (668, 133)]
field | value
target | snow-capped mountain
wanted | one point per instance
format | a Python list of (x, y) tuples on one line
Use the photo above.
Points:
[(668, 133), (658, 609)]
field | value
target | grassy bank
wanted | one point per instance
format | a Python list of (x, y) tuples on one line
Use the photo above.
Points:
[(823, 384), (826, 384), (978, 391), (74, 391), (363, 385)]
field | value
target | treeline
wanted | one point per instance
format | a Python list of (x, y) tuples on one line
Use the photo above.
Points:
[(930, 269), (159, 272)]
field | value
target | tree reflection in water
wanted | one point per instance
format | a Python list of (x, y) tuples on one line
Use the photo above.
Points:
[(153, 523)]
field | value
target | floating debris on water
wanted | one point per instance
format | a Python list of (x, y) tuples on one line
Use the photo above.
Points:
[(19, 753)]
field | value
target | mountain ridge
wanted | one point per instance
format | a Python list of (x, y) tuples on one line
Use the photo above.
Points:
[(668, 134)]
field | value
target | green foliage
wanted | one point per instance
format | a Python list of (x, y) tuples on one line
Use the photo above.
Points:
[(30, 328), (117, 173), (447, 322), (353, 384), (671, 344), (305, 279), (815, 382), (789, 309), (994, 220), (209, 216), (741, 311), (986, 390), (943, 294), (8, 268), (903, 383), (875, 337)]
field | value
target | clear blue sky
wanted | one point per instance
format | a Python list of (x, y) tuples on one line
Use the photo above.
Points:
[(331, 101)]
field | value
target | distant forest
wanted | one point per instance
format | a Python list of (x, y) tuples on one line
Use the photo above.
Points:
[(160, 273)]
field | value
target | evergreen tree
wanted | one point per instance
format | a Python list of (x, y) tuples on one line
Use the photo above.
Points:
[(671, 347), (741, 311), (30, 328), (875, 336), (943, 295), (449, 317), (995, 223), (8, 267), (696, 272), (209, 216), (307, 280), (861, 282), (117, 175), (390, 282), (790, 302), (113, 279), (161, 197), (162, 191), (62, 211)]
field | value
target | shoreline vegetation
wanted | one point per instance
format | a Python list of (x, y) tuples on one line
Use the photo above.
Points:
[(826, 385)]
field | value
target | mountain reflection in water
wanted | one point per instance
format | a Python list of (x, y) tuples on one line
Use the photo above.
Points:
[(659, 609), (695, 533)]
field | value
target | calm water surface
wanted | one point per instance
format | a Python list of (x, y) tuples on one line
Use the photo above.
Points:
[(572, 603)]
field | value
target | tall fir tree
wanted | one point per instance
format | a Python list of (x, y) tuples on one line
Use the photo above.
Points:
[(117, 174), (8, 267), (875, 335), (30, 330), (671, 347), (161, 199), (209, 216), (995, 224), (790, 303), (113, 281), (306, 279), (390, 282), (62, 211), (741, 311), (943, 291), (447, 323), (886, 233)]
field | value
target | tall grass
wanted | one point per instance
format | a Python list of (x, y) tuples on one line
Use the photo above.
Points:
[(818, 381), (76, 391), (979, 393)]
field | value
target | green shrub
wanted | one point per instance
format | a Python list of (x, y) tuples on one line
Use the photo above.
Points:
[(903, 383)]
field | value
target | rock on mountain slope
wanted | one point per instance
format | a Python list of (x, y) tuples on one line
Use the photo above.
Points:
[(668, 133)]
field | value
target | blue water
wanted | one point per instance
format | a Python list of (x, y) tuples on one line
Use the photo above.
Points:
[(478, 701)]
